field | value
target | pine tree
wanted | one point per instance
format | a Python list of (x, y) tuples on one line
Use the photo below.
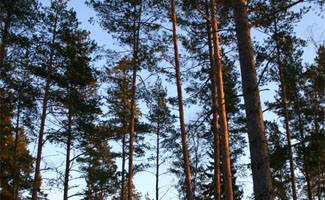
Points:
[(278, 161), (76, 92), (187, 170), (200, 44), (161, 123), (279, 27), (54, 19), (119, 103), (124, 20), (314, 113), (17, 18), (17, 21), (257, 142), (97, 165)]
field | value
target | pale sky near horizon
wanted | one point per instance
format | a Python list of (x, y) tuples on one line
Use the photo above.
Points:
[(144, 182)]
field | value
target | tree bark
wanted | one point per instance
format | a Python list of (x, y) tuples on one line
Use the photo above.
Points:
[(157, 161), (36, 184), (67, 162), (133, 103), (255, 124), (215, 124), (188, 180), (227, 177), (286, 116), (123, 166)]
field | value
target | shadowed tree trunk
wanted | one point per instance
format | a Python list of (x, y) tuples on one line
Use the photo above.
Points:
[(189, 192), (67, 162), (255, 124), (157, 161), (36, 184), (286, 116)]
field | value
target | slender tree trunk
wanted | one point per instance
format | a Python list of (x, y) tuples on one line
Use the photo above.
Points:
[(2, 127), (123, 167), (125, 104), (36, 184), (286, 116), (227, 177), (317, 142), (255, 124), (215, 124), (303, 143), (16, 166), (196, 143), (133, 103), (157, 161), (188, 180), (132, 131), (88, 191), (67, 162)]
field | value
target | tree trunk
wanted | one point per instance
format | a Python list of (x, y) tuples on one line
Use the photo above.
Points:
[(286, 116), (215, 124), (67, 162), (123, 167), (188, 182), (36, 184), (133, 103), (255, 124), (88, 190), (227, 177), (157, 161)]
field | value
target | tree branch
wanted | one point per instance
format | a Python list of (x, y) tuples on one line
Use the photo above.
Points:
[(259, 21)]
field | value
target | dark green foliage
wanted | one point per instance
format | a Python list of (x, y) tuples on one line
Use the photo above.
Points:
[(278, 161), (17, 21), (119, 102), (18, 95), (98, 167), (314, 78)]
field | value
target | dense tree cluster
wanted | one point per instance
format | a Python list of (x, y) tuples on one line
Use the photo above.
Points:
[(129, 116)]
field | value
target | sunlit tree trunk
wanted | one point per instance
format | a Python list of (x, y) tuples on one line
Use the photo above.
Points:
[(255, 124), (123, 166), (286, 116), (136, 30), (188, 181), (36, 184), (215, 124), (227, 177)]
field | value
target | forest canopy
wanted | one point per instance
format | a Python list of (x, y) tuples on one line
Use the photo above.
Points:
[(194, 98)]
